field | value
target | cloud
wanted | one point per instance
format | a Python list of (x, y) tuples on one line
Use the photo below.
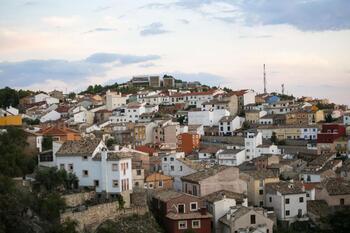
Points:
[(153, 29), (306, 15), (146, 65), (184, 21), (101, 30), (57, 21), (102, 8), (31, 72), (124, 59)]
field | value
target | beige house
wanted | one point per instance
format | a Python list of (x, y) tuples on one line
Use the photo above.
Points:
[(246, 219), (256, 181), (213, 179), (253, 116), (336, 192)]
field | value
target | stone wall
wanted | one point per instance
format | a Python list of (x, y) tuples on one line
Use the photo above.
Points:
[(76, 199), (93, 216)]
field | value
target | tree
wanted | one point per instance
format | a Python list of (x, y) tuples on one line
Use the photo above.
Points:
[(52, 178), (121, 202), (245, 125), (329, 118), (339, 221), (49, 206), (13, 161), (110, 142), (69, 226), (274, 139), (72, 95), (47, 143)]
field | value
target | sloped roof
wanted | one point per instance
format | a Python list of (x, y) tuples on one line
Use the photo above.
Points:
[(203, 174), (219, 195), (80, 147), (154, 177), (286, 187)]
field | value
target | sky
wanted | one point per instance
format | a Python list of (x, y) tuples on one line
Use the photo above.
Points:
[(68, 45)]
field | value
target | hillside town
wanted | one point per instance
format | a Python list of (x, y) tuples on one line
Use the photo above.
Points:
[(192, 157)]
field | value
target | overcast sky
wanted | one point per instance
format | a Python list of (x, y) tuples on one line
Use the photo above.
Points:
[(70, 44)]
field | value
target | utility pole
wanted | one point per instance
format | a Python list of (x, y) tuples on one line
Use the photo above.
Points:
[(264, 80), (282, 88)]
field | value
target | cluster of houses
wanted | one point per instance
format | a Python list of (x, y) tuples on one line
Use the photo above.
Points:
[(211, 160)]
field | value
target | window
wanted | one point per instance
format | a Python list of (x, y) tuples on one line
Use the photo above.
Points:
[(96, 183), (261, 203), (301, 199), (196, 224), (182, 225), (270, 199), (308, 178), (261, 192), (194, 189), (180, 168), (85, 157), (193, 206), (160, 183), (138, 172), (300, 212), (165, 159), (70, 167), (287, 212), (171, 158), (172, 168), (85, 172), (115, 183), (181, 208), (62, 166), (114, 167), (342, 202), (287, 200), (252, 219)]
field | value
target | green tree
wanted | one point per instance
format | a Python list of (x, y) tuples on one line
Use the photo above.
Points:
[(13, 161), (274, 139), (52, 178), (329, 118), (49, 206), (71, 95), (69, 226), (121, 202), (47, 143), (338, 222)]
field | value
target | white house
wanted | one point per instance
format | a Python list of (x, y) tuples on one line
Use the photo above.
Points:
[(267, 149), (219, 203), (231, 157), (252, 140), (206, 118), (228, 124), (12, 110), (308, 133), (44, 97), (114, 100), (176, 165), (50, 116), (288, 200), (95, 166), (84, 117), (346, 119)]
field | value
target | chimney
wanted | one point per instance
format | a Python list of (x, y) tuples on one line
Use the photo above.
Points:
[(116, 147), (228, 216)]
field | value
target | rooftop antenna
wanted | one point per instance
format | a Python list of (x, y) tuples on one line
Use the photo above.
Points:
[(282, 88), (265, 80)]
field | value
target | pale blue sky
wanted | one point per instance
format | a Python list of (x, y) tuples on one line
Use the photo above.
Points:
[(47, 44)]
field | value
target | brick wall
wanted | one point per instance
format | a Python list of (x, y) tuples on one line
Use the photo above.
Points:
[(76, 199), (92, 217)]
